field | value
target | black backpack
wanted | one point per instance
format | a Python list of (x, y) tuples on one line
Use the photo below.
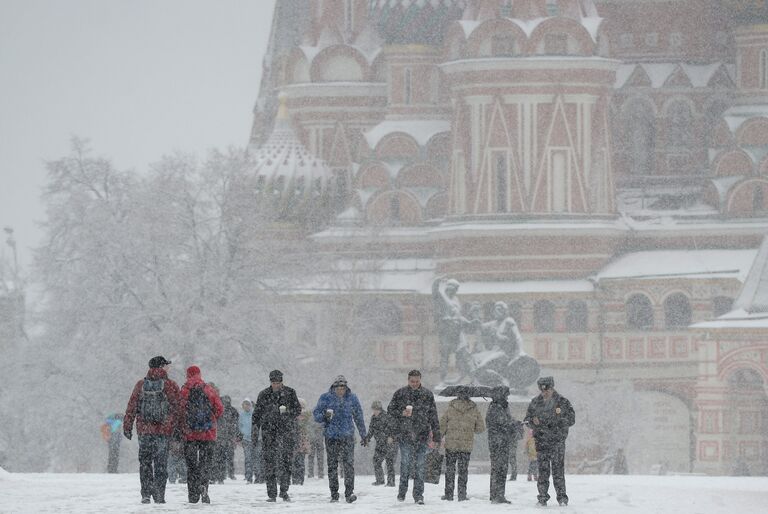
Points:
[(199, 411), (153, 406)]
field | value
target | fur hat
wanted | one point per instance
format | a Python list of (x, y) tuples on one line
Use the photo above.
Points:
[(546, 382), (340, 381), (276, 375), (376, 405), (158, 362)]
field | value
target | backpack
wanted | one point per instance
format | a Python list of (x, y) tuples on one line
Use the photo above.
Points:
[(153, 406), (199, 411)]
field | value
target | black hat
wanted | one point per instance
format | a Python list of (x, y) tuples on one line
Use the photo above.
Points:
[(340, 381), (545, 382), (376, 405), (276, 376), (158, 362)]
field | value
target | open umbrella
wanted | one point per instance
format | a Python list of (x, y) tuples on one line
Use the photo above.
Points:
[(473, 391)]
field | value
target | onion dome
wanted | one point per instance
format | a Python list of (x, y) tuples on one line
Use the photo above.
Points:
[(291, 184), (747, 12), (415, 21)]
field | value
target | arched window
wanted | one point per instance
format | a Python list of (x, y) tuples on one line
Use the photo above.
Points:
[(639, 138), (576, 320), (677, 311), (680, 125), (552, 8), (758, 199), (501, 183), (379, 317), (544, 316), (721, 305), (764, 69), (394, 209), (639, 312)]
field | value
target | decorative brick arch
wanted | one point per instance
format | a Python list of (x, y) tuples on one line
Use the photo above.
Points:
[(732, 163), (419, 175), (379, 208), (397, 145), (749, 357), (561, 25), (741, 199), (455, 42), (437, 206), (753, 132), (319, 71), (483, 33), (373, 175), (297, 67)]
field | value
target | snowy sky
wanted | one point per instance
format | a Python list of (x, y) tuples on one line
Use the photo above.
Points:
[(139, 78)]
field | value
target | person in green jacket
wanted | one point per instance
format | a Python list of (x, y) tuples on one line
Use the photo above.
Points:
[(459, 424)]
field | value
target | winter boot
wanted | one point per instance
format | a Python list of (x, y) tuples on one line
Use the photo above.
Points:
[(351, 498), (204, 495)]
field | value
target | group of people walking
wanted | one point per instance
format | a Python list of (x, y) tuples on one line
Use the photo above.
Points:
[(192, 415)]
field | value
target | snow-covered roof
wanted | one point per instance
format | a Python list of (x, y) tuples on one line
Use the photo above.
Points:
[(659, 73), (420, 130), (736, 319), (527, 286), (680, 263), (754, 295)]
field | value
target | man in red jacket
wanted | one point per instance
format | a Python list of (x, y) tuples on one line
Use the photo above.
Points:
[(154, 404), (200, 408)]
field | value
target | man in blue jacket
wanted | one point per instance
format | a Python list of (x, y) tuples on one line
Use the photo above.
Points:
[(340, 411)]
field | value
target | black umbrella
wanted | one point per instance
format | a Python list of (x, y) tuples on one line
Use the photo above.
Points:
[(473, 391)]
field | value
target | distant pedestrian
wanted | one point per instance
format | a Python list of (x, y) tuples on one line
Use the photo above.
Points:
[(340, 411), (620, 466), (518, 430), (501, 428), (550, 415), (304, 422), (316, 450), (459, 424), (154, 405), (382, 428), (111, 432), (414, 411), (201, 407), (245, 425), (227, 435), (274, 415)]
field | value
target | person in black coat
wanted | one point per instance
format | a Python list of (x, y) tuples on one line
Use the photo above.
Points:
[(414, 411), (502, 428), (550, 415), (224, 450), (275, 415), (382, 428)]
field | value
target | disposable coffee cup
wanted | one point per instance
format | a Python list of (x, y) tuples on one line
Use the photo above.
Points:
[(329, 412), (409, 409), (283, 408)]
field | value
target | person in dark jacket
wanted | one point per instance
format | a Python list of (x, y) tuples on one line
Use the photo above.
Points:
[(382, 428), (413, 409), (224, 452), (340, 411), (501, 427), (550, 415), (275, 413), (154, 405), (201, 407)]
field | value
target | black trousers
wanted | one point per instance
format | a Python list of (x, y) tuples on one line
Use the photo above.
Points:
[(452, 460), (341, 450), (316, 449), (113, 458), (199, 458), (551, 460), (153, 465), (384, 453), (499, 450), (223, 460), (278, 456)]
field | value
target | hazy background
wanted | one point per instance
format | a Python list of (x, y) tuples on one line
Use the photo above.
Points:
[(139, 78)]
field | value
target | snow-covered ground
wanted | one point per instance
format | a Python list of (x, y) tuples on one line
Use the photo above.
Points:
[(609, 494)]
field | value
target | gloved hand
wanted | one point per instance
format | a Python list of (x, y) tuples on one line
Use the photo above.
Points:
[(364, 442), (127, 433), (327, 416)]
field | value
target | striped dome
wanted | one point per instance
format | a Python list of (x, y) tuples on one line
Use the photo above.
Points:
[(415, 21)]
